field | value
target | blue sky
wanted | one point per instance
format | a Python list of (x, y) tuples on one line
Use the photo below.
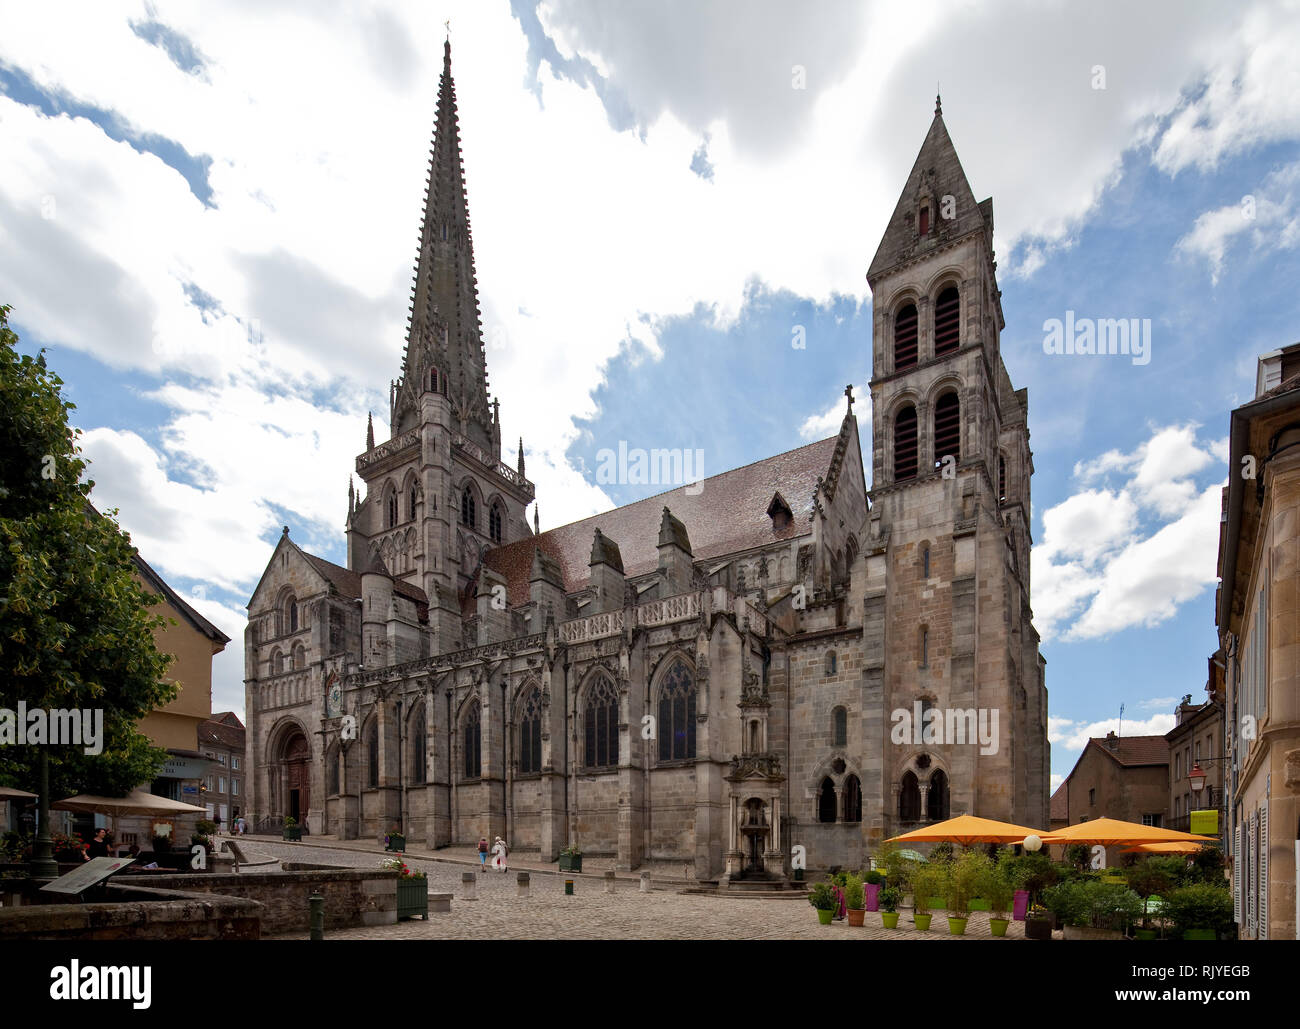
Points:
[(217, 253)]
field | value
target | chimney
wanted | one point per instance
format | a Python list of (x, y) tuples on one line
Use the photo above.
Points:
[(1112, 741)]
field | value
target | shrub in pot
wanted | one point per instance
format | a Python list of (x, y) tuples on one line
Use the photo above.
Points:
[(854, 899), (824, 900), (926, 881), (1147, 879), (963, 878), (889, 898), (996, 889), (872, 882)]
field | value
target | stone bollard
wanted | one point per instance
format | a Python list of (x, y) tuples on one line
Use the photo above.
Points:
[(568, 887), (317, 917), (469, 885), (645, 882), (609, 881), (522, 880)]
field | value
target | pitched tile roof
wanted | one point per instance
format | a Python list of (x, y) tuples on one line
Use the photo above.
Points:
[(725, 513), (348, 582), (1136, 750), (1060, 807), (221, 734)]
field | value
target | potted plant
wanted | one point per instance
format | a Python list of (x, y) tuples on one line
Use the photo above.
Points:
[(926, 881), (571, 858), (1038, 923), (823, 899), (889, 898), (963, 875), (412, 889), (995, 888), (1094, 910), (292, 830), (872, 882), (1148, 880), (395, 840), (1199, 912), (855, 899)]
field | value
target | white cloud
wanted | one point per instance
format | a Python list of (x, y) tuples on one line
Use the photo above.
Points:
[(1054, 782), (1114, 558), (1269, 218), (1073, 736)]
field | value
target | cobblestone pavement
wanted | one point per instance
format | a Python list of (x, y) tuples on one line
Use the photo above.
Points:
[(592, 914)]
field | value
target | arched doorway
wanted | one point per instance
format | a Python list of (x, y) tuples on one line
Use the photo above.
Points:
[(296, 759), (755, 826)]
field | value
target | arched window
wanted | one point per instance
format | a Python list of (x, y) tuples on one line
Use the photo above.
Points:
[(826, 801), (414, 495), (909, 798), (494, 522), (1002, 479), (419, 746), (905, 338), (390, 508), (600, 722), (947, 429), (372, 754), (830, 662), (473, 744), (905, 444), (925, 562), (289, 614), (467, 513), (937, 800), (277, 661), (332, 772), (947, 321), (923, 219), (852, 799), (840, 727), (530, 732), (433, 379), (677, 714), (299, 657), (753, 737)]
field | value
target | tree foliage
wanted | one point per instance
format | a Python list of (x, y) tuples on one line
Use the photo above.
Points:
[(76, 630)]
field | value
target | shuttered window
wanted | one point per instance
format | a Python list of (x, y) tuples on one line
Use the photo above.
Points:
[(905, 323), (947, 321), (947, 429), (905, 444)]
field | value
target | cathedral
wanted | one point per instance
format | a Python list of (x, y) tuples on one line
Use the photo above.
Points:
[(709, 678)]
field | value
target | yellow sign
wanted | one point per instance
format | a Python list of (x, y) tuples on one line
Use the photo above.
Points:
[(1205, 823)]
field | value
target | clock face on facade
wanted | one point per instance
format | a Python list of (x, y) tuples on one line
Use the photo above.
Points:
[(334, 701)]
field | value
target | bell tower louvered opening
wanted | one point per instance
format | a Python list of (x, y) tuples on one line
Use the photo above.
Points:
[(947, 428), (905, 444), (947, 321), (905, 323)]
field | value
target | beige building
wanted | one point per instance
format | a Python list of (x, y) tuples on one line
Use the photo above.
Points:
[(1196, 746), (1256, 614), (704, 678), (1123, 777)]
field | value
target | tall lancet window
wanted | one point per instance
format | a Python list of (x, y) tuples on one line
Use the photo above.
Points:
[(390, 508), (467, 512), (414, 494), (494, 522)]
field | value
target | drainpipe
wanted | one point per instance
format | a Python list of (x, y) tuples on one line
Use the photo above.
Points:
[(401, 770), (505, 766), (451, 786), (568, 765)]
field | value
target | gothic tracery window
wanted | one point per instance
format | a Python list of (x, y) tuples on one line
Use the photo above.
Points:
[(852, 799), (494, 522), (390, 508), (600, 724), (909, 798), (419, 746), (473, 741), (530, 732), (372, 754), (677, 714), (467, 512), (826, 802), (840, 727), (414, 495), (937, 798)]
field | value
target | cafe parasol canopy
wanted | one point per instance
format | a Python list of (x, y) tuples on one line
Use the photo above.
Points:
[(968, 829), (1178, 847), (9, 793), (137, 802), (1111, 832)]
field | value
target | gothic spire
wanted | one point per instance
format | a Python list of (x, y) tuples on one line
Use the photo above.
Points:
[(370, 431), (521, 457), (444, 329)]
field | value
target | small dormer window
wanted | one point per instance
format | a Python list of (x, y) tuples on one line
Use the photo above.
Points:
[(433, 379), (779, 511), (923, 220)]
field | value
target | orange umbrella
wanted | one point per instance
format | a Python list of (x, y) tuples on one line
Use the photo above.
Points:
[(968, 829), (1187, 847), (1111, 832)]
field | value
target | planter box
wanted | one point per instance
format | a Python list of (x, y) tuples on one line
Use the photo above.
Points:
[(293, 833), (956, 926), (1083, 932), (570, 862), (1020, 907), (1038, 928), (396, 842), (413, 898)]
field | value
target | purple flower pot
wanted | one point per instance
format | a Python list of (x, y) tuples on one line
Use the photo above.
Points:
[(873, 896), (1020, 907)]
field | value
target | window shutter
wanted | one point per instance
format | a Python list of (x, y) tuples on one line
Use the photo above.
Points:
[(1252, 870), (1236, 875), (1263, 871)]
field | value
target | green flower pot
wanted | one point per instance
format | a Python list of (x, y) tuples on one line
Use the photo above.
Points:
[(923, 921), (889, 919), (956, 926), (998, 926), (825, 916)]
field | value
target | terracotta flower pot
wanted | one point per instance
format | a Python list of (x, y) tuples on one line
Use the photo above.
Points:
[(856, 915)]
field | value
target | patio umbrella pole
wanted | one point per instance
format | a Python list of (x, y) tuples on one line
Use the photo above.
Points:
[(43, 865)]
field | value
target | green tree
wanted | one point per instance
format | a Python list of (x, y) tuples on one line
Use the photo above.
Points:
[(76, 630)]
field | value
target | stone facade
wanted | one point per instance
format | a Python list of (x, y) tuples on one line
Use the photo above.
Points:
[(704, 679)]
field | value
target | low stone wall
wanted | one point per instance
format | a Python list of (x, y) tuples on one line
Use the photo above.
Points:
[(353, 896), (136, 913)]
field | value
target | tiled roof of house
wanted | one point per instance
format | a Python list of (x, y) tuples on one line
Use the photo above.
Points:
[(723, 514), (1136, 750), (348, 582), (221, 734), (1060, 806), (1290, 384)]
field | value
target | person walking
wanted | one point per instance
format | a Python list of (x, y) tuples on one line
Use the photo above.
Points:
[(482, 853), (499, 853)]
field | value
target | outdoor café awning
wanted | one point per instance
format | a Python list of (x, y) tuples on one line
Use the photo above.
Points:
[(1187, 847), (968, 829), (1111, 832), (137, 802)]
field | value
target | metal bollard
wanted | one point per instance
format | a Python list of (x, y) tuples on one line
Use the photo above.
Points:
[(609, 881), (568, 887), (469, 885), (522, 880), (317, 920), (645, 882)]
